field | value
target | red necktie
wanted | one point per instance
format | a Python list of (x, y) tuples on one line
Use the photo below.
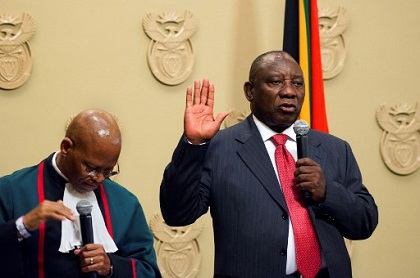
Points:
[(308, 257)]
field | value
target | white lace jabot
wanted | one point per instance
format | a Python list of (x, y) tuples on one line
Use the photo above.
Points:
[(70, 231)]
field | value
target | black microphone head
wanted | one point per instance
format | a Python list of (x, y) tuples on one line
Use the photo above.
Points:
[(301, 127), (84, 207)]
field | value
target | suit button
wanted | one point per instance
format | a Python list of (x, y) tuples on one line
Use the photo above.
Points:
[(284, 216), (283, 252)]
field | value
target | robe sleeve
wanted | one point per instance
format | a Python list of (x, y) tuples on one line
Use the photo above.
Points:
[(11, 263)]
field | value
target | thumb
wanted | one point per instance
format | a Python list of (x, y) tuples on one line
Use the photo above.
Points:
[(221, 117)]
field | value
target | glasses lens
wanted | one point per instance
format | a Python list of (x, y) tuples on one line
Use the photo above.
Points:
[(95, 173)]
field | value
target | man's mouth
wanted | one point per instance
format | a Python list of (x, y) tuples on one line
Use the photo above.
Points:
[(287, 107), (90, 186)]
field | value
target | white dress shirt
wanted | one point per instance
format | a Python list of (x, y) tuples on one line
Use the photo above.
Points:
[(266, 134)]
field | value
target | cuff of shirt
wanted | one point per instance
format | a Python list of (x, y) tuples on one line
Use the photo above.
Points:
[(21, 229)]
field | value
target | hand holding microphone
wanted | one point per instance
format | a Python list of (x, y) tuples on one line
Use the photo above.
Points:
[(310, 172), (84, 208)]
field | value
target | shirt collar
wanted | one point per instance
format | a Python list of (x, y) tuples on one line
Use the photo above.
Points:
[(54, 164), (267, 133)]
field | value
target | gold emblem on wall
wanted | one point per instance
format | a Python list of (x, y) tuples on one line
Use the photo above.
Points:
[(236, 116), (177, 248), (15, 53), (332, 24), (400, 143), (170, 54)]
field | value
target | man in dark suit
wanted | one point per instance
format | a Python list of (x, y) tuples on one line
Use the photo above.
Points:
[(233, 171)]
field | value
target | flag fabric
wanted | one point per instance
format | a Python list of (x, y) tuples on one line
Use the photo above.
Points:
[(301, 40)]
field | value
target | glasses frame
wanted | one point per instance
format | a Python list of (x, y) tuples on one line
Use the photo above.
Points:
[(92, 172)]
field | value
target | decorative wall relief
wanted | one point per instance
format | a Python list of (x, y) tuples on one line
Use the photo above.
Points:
[(15, 53), (400, 143), (177, 248), (332, 24), (236, 116), (170, 54)]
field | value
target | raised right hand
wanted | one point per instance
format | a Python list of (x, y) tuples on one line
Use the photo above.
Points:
[(199, 123)]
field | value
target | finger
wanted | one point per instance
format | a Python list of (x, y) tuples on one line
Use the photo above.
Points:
[(58, 217), (92, 254), (210, 95), (90, 261), (189, 97), (204, 91), (88, 264), (197, 92), (64, 211), (221, 117), (68, 214), (89, 248)]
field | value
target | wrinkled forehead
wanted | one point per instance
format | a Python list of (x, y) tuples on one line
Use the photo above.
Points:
[(280, 64), (280, 58)]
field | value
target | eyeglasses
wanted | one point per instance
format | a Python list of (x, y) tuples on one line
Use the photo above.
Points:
[(92, 172)]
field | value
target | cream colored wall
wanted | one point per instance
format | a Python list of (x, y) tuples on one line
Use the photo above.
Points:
[(92, 54)]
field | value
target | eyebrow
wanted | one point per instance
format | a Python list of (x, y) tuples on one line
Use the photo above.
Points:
[(93, 167)]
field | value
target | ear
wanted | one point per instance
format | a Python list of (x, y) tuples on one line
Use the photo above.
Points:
[(248, 90), (66, 145)]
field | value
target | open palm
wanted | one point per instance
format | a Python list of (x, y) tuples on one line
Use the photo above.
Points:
[(199, 122)]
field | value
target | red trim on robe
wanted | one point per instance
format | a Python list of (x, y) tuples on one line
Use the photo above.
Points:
[(41, 240), (133, 267), (109, 224), (106, 211)]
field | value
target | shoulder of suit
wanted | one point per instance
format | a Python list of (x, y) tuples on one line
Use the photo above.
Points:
[(319, 137)]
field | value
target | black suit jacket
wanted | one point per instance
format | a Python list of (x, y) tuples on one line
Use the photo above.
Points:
[(233, 175)]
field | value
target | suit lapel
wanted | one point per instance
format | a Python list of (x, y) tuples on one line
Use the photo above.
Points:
[(254, 154), (314, 149), (315, 152)]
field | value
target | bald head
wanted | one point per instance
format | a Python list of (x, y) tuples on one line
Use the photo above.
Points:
[(94, 127), (90, 149), (266, 58)]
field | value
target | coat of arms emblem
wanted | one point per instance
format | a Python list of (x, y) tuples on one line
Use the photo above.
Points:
[(170, 55), (400, 144), (177, 248), (15, 53)]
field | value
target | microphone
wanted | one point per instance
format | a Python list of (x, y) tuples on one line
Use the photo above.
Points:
[(84, 208), (301, 129)]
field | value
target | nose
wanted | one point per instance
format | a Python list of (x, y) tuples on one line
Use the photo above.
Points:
[(288, 89), (97, 176)]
